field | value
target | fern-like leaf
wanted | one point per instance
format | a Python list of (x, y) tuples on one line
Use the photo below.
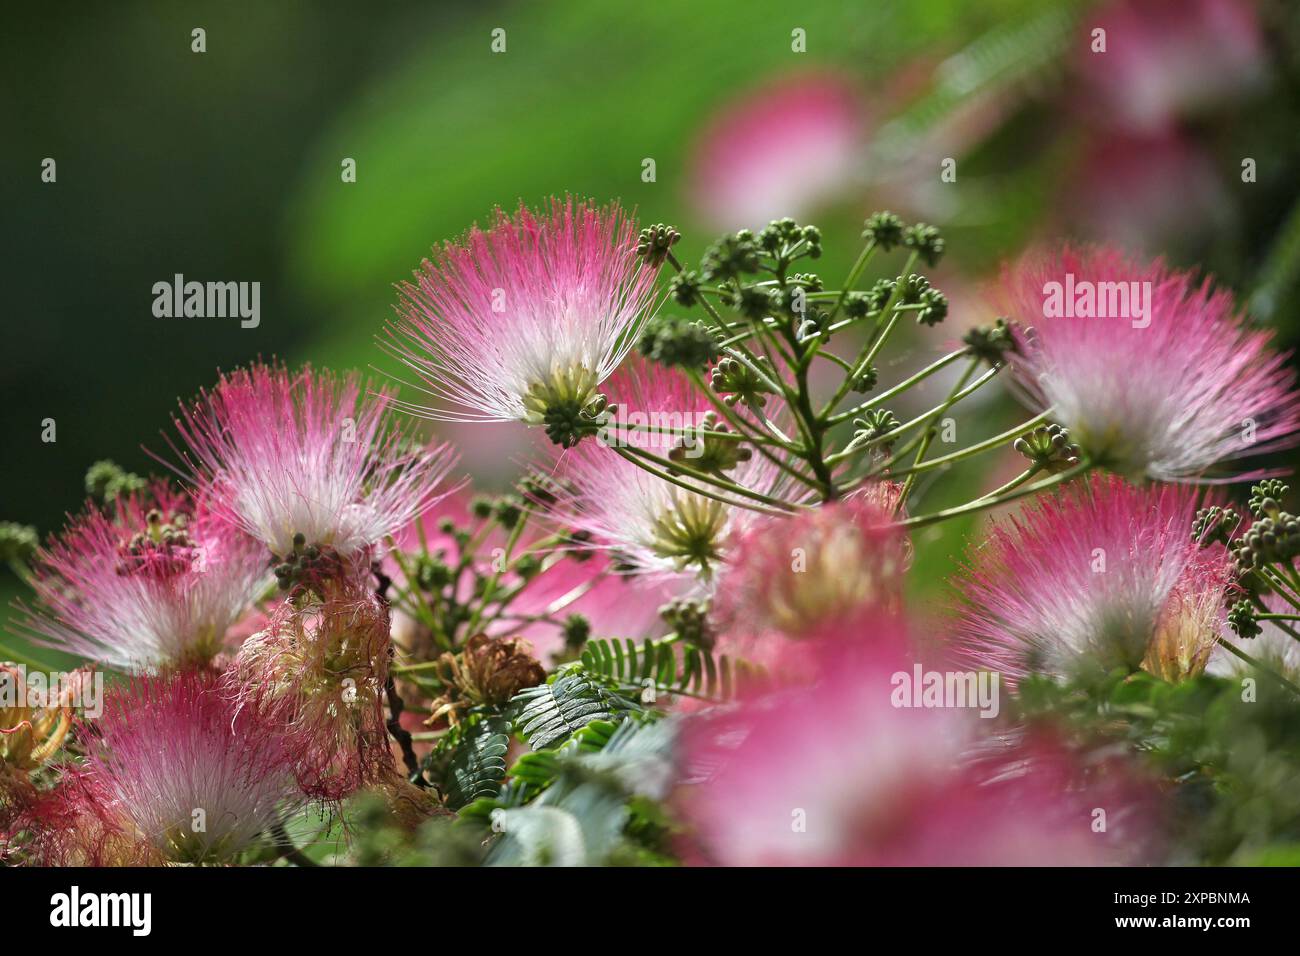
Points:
[(478, 763), (550, 713), (667, 667)]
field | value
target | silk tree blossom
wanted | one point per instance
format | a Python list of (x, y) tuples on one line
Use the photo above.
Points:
[(838, 773), (780, 151), (787, 579), (157, 579), (1153, 373), (524, 321), (175, 773), (1102, 576), (1170, 59), (650, 525), (285, 454)]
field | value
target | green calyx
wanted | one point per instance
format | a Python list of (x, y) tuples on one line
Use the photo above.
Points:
[(884, 229), (991, 343), (689, 533), (654, 243), (1242, 620)]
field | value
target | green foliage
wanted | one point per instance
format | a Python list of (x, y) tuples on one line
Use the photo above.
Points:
[(549, 713), (1229, 747), (440, 841), (594, 800), (666, 667), (477, 763)]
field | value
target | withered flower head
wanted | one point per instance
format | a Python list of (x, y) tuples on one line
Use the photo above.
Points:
[(34, 725), (488, 670)]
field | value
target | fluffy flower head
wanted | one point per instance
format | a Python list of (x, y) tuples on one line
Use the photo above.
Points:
[(1104, 575), (843, 772), (156, 579), (654, 526), (286, 454), (781, 151), (795, 575), (177, 774), (317, 672), (525, 320), (1153, 373)]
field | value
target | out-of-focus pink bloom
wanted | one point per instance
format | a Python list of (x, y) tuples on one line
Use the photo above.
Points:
[(652, 526), (306, 453), (1104, 575), (523, 322), (1145, 191), (317, 673), (782, 150), (158, 580), (845, 772), (175, 773), (791, 578), (1153, 373), (1165, 59)]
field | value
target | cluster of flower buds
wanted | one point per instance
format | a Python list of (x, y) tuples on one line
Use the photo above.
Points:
[(1274, 536), (991, 343), (307, 566), (707, 447), (1048, 447)]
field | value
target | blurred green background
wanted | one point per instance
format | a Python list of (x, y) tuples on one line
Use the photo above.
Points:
[(225, 165)]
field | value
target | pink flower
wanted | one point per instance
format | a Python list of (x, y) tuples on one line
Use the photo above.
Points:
[(1102, 576), (791, 578), (1153, 373), (156, 581), (174, 773), (317, 673), (1147, 191), (648, 524), (286, 454), (1165, 59), (848, 771), (526, 320), (780, 151)]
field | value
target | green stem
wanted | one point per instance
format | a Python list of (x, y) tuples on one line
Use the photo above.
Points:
[(970, 452), (672, 479), (893, 434), (865, 361), (854, 274), (897, 389), (982, 504), (927, 435), (1258, 666)]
